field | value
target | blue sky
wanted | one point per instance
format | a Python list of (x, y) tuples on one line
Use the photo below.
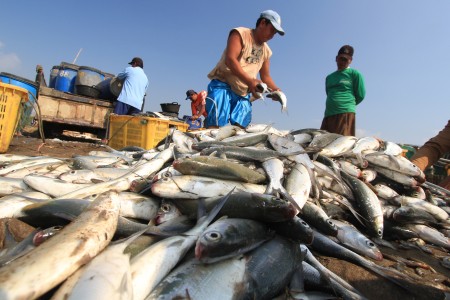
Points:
[(402, 48)]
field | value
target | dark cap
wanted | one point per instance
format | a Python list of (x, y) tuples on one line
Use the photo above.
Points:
[(138, 62), (189, 93), (347, 50)]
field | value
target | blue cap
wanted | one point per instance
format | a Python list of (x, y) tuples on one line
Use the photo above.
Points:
[(274, 18)]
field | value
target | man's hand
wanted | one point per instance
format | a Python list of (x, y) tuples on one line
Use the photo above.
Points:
[(194, 117)]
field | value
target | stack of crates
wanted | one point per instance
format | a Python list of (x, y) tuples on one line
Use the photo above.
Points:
[(11, 99), (144, 132)]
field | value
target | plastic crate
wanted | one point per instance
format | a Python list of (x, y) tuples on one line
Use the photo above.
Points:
[(11, 97), (144, 132)]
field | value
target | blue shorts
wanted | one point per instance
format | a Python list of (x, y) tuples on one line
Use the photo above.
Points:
[(125, 109), (224, 106)]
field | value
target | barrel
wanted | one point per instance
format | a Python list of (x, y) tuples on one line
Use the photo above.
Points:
[(53, 74), (27, 84), (115, 86), (65, 81), (105, 90), (86, 81)]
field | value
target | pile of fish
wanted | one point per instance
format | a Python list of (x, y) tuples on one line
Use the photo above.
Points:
[(216, 214)]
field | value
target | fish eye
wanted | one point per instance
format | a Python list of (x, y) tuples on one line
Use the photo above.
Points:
[(213, 236), (370, 244), (165, 207)]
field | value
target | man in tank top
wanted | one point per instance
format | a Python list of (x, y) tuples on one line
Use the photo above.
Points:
[(234, 78)]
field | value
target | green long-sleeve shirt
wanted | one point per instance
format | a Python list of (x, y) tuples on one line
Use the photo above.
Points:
[(345, 89)]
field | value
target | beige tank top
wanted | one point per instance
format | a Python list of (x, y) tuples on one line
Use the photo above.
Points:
[(251, 60)]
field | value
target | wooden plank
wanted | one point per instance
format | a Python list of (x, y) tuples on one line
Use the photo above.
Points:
[(65, 108)]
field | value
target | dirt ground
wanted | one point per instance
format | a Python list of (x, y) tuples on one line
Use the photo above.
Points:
[(430, 283), (66, 146)]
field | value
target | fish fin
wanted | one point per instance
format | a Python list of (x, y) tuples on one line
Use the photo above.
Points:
[(154, 230), (394, 160), (129, 239), (65, 216), (359, 158), (357, 215), (287, 196), (220, 203), (390, 274), (201, 208), (316, 188), (97, 180), (223, 218)]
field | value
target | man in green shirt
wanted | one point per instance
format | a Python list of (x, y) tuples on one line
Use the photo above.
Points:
[(345, 89)]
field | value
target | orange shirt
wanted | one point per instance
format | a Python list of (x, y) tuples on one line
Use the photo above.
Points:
[(198, 106)]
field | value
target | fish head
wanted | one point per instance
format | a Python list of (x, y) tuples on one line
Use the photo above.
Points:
[(209, 240), (166, 211)]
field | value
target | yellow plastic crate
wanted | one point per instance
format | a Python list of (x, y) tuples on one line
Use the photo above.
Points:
[(11, 97), (144, 132)]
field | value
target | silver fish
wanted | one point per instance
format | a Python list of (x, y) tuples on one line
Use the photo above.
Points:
[(434, 210), (364, 144), (195, 187), (82, 239), (395, 163), (52, 186), (107, 275), (11, 205), (368, 203), (148, 269), (10, 186), (339, 146), (353, 239), (29, 163), (430, 235), (298, 184), (227, 131), (217, 168), (322, 140)]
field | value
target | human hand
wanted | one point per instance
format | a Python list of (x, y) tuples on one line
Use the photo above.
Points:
[(194, 117), (254, 86)]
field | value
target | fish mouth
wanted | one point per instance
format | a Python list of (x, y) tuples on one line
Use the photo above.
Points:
[(199, 249), (378, 256), (292, 211)]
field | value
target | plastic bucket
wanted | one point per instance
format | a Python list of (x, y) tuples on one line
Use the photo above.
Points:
[(65, 80), (29, 85), (53, 74), (86, 81), (173, 107)]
